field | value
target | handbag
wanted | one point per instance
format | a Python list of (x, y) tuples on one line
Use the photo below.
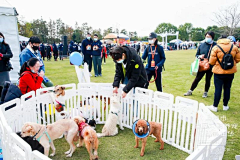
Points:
[(9, 66), (204, 64)]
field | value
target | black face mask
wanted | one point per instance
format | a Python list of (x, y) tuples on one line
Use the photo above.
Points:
[(35, 48)]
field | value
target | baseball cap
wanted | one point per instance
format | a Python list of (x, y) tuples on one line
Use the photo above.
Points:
[(152, 35)]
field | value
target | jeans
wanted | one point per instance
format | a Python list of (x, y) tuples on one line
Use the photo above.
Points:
[(97, 62), (198, 78), (61, 55), (222, 81)]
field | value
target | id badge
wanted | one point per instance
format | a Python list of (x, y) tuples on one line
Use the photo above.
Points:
[(152, 63)]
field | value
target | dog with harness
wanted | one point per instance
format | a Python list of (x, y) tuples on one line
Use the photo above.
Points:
[(87, 135), (47, 134)]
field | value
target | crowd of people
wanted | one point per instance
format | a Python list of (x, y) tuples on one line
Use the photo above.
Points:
[(129, 62)]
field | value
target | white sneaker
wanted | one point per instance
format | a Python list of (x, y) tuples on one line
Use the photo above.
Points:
[(90, 74), (212, 108), (225, 108)]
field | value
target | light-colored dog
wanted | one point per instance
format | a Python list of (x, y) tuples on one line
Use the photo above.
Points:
[(58, 98), (46, 134), (89, 136), (114, 116)]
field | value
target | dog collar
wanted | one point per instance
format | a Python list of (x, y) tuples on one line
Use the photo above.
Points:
[(60, 105), (140, 136), (114, 113), (34, 137)]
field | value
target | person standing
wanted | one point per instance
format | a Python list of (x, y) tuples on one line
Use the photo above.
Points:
[(55, 51), (224, 58), (60, 51), (138, 48), (5, 55), (49, 52), (104, 53), (42, 51), (156, 58), (32, 51), (129, 69), (87, 51), (96, 56), (204, 51)]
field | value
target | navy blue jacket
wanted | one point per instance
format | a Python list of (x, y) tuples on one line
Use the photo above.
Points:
[(54, 46), (159, 57), (60, 47), (86, 42), (70, 47), (204, 49), (74, 48), (42, 48), (97, 52)]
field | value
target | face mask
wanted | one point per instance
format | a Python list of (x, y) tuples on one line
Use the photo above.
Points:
[(121, 61), (35, 48), (32, 71), (1, 40), (208, 40), (88, 38), (150, 41), (95, 39)]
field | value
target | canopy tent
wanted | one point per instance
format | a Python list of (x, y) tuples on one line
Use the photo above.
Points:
[(115, 35), (176, 41), (9, 28), (22, 38)]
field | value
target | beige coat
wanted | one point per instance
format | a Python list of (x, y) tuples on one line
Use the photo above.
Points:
[(216, 52)]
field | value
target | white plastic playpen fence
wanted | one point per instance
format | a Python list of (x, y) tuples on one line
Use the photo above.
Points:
[(187, 125)]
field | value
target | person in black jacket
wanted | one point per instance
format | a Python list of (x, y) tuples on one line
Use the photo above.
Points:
[(129, 69), (42, 51), (5, 55), (204, 51), (55, 51)]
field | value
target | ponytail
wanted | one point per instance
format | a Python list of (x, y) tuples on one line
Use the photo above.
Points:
[(30, 63)]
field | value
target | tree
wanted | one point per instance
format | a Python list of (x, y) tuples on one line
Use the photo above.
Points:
[(216, 30), (184, 31), (228, 18), (40, 29), (60, 29), (85, 29), (69, 32), (124, 31), (107, 31), (166, 27), (197, 34), (98, 32)]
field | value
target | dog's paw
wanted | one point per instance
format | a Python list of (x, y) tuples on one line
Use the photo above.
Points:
[(161, 148), (67, 152), (53, 154), (142, 154), (136, 146), (78, 145), (69, 155), (122, 128), (156, 140)]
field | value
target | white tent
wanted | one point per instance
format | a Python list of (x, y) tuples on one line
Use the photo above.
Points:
[(22, 38), (9, 28), (176, 41)]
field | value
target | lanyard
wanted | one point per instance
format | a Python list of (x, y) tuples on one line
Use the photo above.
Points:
[(153, 53)]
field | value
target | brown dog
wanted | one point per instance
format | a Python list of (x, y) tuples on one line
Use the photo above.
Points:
[(142, 128), (58, 97), (89, 136)]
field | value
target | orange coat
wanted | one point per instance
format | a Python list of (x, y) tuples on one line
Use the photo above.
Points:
[(216, 52)]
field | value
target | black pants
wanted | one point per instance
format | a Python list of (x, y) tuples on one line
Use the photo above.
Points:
[(158, 81), (88, 60), (103, 57), (200, 76), (61, 55), (43, 54), (55, 54), (49, 56), (222, 81)]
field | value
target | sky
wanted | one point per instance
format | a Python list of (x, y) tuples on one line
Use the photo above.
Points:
[(142, 16)]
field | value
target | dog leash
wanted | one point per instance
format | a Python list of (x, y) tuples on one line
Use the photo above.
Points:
[(154, 78)]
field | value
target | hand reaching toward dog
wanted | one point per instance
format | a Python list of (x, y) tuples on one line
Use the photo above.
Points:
[(115, 90), (124, 94)]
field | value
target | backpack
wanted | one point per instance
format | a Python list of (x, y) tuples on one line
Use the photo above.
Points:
[(158, 50), (227, 60)]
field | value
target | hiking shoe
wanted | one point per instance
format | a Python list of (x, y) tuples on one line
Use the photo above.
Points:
[(189, 93), (212, 108), (225, 108), (205, 95), (96, 75)]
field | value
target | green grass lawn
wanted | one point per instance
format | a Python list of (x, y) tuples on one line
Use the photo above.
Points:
[(176, 80)]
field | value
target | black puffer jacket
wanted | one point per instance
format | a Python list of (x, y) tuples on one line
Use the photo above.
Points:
[(7, 54), (135, 71)]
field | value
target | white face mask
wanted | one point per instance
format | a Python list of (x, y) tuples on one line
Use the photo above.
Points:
[(150, 41)]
